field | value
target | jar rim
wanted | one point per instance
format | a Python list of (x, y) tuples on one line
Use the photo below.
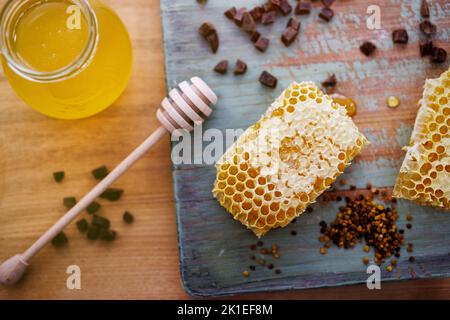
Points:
[(75, 67)]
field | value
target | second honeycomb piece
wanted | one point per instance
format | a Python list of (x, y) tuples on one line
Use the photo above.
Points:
[(280, 165), (425, 174)]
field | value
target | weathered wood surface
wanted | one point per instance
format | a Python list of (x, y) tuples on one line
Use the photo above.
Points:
[(214, 248), (143, 262)]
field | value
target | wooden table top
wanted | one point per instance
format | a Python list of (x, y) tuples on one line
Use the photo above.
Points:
[(143, 262)]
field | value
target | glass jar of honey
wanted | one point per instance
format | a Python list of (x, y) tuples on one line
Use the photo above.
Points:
[(68, 59)]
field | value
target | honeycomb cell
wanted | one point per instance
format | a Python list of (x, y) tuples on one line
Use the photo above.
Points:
[(428, 145), (271, 220), (424, 175), (235, 209), (281, 164), (290, 213), (241, 176), (229, 191), (250, 184), (259, 191), (432, 157), (248, 195), (238, 197), (281, 216), (246, 206), (231, 181), (440, 149), (274, 206), (425, 168), (222, 176), (243, 166), (427, 181), (261, 222), (240, 187), (440, 119), (265, 210)]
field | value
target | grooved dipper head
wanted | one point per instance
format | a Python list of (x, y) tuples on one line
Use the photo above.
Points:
[(188, 104)]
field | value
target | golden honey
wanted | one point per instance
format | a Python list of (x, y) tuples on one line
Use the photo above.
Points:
[(66, 59), (346, 102)]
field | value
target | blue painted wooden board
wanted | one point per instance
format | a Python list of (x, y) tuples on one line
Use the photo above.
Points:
[(214, 249)]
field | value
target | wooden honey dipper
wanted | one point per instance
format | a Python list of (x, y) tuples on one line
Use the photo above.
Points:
[(186, 105)]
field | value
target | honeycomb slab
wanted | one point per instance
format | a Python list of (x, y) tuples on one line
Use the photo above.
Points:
[(281, 164), (425, 174)]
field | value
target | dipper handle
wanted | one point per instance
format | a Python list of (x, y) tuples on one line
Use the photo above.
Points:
[(183, 108)]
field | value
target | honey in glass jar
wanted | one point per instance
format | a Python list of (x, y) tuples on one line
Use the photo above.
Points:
[(68, 59)]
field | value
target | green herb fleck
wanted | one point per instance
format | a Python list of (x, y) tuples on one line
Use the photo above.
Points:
[(108, 235), (58, 176), (101, 222), (100, 172), (93, 207), (60, 240), (112, 194), (128, 217), (82, 225), (93, 232), (69, 202)]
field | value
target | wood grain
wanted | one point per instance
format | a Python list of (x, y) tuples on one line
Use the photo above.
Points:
[(143, 262)]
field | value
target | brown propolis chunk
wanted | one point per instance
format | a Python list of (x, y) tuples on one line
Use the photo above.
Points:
[(262, 44), (285, 7), (427, 27), (326, 14), (267, 7), (400, 36), (257, 13), (213, 40), (424, 9), (221, 67), (254, 36), (275, 3), (327, 3), (248, 24), (240, 67), (269, 17), (426, 48), (289, 36), (208, 31), (303, 8), (330, 81), (230, 13), (294, 23), (368, 48), (438, 55), (268, 80), (239, 16)]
